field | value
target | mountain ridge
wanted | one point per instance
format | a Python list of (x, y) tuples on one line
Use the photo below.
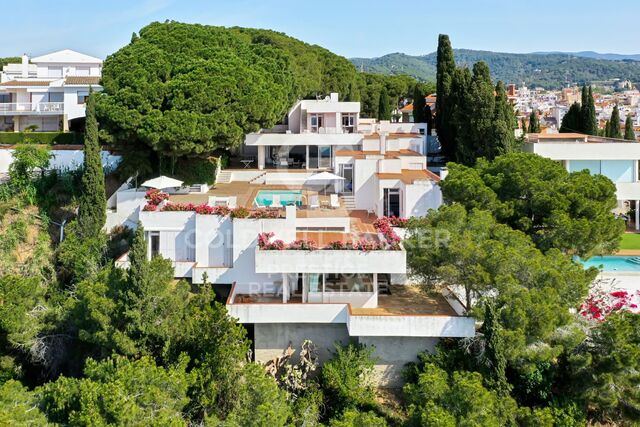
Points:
[(546, 69)]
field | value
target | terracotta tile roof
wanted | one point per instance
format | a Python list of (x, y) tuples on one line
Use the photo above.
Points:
[(82, 80), (359, 154), (407, 108), (18, 83), (409, 176)]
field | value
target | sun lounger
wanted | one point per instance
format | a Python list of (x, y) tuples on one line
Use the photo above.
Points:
[(334, 201)]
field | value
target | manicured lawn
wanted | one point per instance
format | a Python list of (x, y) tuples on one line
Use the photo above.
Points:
[(630, 241)]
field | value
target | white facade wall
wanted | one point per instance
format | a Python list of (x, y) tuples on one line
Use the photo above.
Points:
[(420, 197), (365, 184), (62, 159)]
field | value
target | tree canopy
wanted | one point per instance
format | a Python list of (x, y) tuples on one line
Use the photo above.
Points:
[(558, 209)]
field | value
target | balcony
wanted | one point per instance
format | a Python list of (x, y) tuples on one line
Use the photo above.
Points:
[(28, 108), (331, 261)]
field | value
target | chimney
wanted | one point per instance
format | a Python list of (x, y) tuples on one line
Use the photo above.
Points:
[(25, 65), (443, 173), (383, 143), (333, 97)]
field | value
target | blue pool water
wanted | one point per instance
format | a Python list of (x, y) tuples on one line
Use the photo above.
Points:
[(287, 197), (612, 263)]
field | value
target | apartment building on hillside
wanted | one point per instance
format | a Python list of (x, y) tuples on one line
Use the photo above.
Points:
[(48, 92), (294, 235)]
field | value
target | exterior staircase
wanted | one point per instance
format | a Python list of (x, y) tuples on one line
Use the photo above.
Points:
[(258, 179), (224, 177), (348, 201)]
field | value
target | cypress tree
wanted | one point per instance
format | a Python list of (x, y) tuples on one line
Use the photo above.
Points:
[(445, 107), (629, 133), (502, 139), (475, 117), (589, 119), (428, 119), (384, 108), (571, 120), (92, 213), (496, 361), (607, 129), (138, 263), (460, 83), (419, 105), (534, 122), (614, 124), (523, 126)]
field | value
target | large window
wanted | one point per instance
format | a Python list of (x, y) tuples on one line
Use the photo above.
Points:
[(348, 122), (154, 243), (317, 121), (83, 71), (82, 96), (615, 170), (336, 282)]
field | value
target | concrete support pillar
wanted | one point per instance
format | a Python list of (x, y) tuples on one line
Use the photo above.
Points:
[(16, 123), (375, 289), (65, 123), (285, 288), (306, 163), (261, 157), (637, 215)]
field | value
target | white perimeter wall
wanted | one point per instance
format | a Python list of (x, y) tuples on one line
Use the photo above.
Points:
[(62, 159)]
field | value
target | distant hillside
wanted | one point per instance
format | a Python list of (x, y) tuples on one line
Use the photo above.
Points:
[(549, 70), (597, 55)]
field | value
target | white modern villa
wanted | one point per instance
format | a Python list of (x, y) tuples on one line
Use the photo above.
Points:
[(298, 235), (48, 91), (618, 160)]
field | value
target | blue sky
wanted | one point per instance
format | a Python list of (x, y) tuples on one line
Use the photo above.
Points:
[(347, 27)]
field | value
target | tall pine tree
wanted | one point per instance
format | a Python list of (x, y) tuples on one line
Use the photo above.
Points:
[(629, 133), (92, 213), (445, 107), (384, 108), (419, 105), (614, 124), (502, 140), (534, 122), (571, 122)]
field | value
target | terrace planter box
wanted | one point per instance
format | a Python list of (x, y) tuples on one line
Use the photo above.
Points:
[(330, 261)]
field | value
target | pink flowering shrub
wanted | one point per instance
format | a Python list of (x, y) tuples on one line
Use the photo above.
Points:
[(150, 207), (264, 213), (601, 303), (265, 243), (302, 245), (155, 196), (384, 226)]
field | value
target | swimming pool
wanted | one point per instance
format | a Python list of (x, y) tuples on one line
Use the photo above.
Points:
[(613, 263), (287, 197)]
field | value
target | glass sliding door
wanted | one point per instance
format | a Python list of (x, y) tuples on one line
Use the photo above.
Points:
[(324, 156), (346, 171), (392, 202)]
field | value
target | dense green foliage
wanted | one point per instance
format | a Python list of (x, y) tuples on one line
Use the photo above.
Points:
[(92, 209), (613, 125), (557, 209), (384, 109), (49, 138), (445, 90), (629, 133), (547, 70), (534, 122), (474, 118), (588, 119), (572, 120)]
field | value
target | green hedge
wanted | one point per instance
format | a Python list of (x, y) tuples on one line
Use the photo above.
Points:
[(51, 138)]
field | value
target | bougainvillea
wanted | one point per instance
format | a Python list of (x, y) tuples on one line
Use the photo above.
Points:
[(602, 303), (155, 196), (265, 243), (264, 213), (384, 226)]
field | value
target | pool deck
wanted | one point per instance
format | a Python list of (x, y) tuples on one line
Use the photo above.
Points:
[(628, 252)]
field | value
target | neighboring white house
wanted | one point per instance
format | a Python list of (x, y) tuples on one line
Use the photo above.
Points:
[(616, 159), (326, 295), (47, 91)]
